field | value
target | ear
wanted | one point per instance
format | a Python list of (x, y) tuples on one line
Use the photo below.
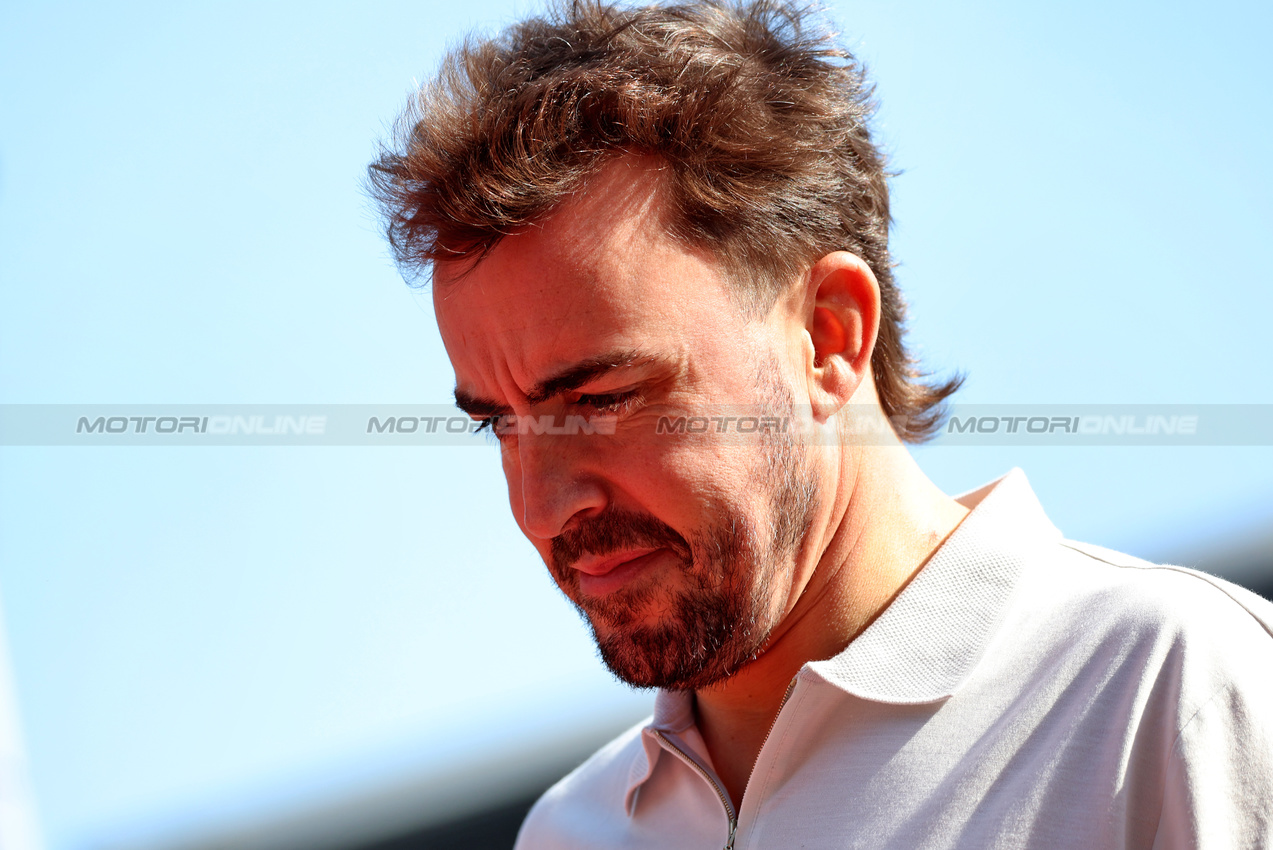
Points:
[(842, 312)]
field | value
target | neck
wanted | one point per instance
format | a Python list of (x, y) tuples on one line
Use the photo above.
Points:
[(883, 525)]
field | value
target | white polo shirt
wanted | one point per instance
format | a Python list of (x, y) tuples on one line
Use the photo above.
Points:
[(1021, 691)]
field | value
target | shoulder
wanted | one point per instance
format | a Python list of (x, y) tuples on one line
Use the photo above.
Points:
[(590, 801), (1163, 594), (1206, 707), (1184, 632), (1087, 613)]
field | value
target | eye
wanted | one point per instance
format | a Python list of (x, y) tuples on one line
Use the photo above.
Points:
[(607, 402), (491, 430)]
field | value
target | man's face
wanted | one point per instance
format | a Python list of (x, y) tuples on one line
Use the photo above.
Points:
[(679, 549)]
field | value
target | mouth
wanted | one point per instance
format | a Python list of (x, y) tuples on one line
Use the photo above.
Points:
[(602, 576)]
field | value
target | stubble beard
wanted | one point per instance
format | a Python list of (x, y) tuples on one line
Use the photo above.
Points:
[(720, 617)]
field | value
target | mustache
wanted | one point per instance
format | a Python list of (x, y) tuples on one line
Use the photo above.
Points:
[(615, 531)]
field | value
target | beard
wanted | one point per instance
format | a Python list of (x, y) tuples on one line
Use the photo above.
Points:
[(720, 616)]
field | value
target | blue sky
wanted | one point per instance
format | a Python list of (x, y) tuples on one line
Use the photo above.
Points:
[(1083, 215)]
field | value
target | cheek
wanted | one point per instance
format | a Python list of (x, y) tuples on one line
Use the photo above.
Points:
[(722, 480)]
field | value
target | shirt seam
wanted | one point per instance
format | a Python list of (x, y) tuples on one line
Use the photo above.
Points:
[(1211, 581), (1222, 689), (1174, 753)]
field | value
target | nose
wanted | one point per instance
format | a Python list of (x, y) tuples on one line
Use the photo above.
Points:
[(554, 483)]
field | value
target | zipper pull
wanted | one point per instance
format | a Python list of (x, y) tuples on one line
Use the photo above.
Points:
[(733, 827)]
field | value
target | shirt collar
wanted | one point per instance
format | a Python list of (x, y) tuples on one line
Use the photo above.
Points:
[(673, 713), (929, 639)]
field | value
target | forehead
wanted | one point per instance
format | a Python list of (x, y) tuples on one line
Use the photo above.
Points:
[(598, 275)]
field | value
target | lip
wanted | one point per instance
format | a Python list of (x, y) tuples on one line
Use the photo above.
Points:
[(601, 576)]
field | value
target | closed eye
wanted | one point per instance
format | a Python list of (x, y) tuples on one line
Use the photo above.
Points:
[(489, 428), (606, 402), (609, 404)]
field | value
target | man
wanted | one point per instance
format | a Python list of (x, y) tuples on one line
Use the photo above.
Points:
[(643, 217)]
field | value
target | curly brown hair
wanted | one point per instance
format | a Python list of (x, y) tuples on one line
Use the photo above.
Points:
[(760, 116)]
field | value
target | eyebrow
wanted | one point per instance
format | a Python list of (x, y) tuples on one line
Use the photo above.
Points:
[(570, 378)]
